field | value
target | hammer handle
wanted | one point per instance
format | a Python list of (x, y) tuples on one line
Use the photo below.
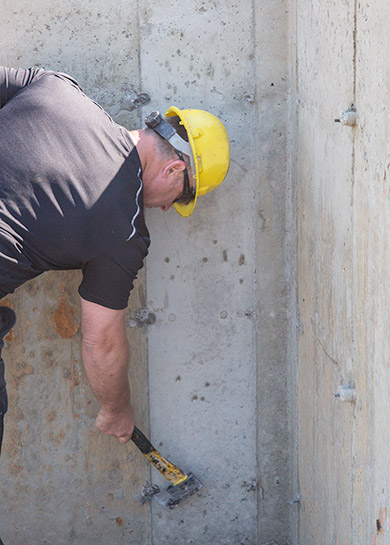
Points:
[(171, 472), (141, 441)]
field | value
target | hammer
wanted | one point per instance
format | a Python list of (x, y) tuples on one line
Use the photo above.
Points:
[(182, 484)]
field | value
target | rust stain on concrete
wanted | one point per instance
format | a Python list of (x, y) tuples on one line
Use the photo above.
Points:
[(65, 320), (6, 303), (16, 469), (380, 526), (57, 438), (10, 337)]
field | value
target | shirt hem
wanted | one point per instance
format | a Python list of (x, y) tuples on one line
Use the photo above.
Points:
[(99, 301)]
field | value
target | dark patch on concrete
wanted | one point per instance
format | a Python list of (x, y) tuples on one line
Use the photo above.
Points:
[(241, 261), (144, 316), (205, 259), (166, 260), (132, 99), (48, 358), (264, 221), (225, 256), (381, 521), (148, 491)]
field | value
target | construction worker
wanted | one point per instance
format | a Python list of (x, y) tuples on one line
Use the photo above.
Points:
[(73, 188)]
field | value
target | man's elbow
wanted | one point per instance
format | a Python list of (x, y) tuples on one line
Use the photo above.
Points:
[(103, 342)]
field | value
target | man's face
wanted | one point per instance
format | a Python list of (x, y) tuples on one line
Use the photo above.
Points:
[(164, 192), (173, 193), (168, 187)]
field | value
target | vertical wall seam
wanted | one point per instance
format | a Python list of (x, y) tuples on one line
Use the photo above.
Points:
[(367, 373), (354, 59), (256, 350), (353, 162), (292, 263), (354, 48), (140, 118), (296, 151)]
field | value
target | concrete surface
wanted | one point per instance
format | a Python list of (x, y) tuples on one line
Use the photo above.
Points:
[(61, 481), (221, 350), (324, 186), (343, 272)]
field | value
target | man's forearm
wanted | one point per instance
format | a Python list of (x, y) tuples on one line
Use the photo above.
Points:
[(106, 360), (107, 365)]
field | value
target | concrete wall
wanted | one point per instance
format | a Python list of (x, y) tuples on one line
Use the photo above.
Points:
[(218, 284), (343, 272)]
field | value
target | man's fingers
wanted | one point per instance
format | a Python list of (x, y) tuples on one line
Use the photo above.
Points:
[(119, 425), (125, 439)]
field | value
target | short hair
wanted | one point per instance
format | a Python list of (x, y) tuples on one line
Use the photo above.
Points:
[(165, 149)]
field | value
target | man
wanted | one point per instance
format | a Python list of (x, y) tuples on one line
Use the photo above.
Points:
[(73, 188)]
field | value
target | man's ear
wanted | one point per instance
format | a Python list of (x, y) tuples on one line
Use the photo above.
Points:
[(173, 166)]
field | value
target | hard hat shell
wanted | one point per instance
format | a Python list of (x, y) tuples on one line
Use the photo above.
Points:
[(210, 148)]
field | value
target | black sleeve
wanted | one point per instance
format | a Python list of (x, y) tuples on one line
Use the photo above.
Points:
[(108, 279), (13, 80)]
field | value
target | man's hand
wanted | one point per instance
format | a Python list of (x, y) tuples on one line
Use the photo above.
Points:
[(121, 425)]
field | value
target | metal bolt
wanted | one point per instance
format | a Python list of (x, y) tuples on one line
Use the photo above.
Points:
[(346, 393), (348, 117), (297, 500), (142, 317)]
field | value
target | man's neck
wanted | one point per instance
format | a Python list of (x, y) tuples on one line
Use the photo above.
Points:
[(150, 160)]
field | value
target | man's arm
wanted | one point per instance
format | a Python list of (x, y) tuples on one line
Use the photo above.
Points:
[(13, 80), (106, 360)]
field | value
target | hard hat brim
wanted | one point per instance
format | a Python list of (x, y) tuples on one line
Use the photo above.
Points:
[(185, 210)]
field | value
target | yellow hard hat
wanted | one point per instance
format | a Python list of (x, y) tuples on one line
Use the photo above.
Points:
[(210, 152)]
